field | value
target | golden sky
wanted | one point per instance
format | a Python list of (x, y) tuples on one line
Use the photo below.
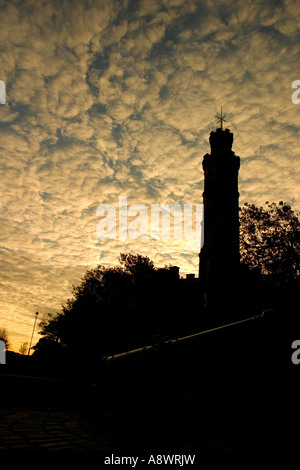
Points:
[(109, 98)]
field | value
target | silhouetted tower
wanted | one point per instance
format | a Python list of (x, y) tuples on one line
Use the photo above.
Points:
[(219, 256)]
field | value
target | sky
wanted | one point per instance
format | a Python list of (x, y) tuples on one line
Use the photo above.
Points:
[(110, 98)]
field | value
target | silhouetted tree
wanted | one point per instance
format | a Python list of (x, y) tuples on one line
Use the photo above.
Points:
[(4, 337), (270, 239), (107, 313), (119, 308), (137, 265), (270, 245), (23, 349)]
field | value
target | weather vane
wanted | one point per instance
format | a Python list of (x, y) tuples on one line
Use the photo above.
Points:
[(221, 118)]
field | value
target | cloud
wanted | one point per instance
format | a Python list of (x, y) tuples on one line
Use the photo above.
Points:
[(108, 98)]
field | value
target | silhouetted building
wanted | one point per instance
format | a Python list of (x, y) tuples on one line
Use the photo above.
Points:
[(219, 256)]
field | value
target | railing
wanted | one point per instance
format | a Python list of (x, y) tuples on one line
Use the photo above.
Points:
[(169, 342)]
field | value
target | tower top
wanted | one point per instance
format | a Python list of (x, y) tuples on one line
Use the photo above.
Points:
[(221, 118)]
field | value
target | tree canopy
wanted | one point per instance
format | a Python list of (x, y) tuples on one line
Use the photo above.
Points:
[(118, 308), (270, 240), (108, 312)]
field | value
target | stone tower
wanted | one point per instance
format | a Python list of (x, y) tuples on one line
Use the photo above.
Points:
[(219, 256)]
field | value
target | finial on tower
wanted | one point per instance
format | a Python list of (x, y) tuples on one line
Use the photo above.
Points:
[(221, 118)]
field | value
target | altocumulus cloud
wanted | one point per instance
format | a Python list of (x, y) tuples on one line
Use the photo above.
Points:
[(108, 98)]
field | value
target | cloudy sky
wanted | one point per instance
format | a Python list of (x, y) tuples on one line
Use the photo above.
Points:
[(110, 98)]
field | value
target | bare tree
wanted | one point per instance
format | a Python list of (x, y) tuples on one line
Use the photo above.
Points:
[(4, 337), (23, 348)]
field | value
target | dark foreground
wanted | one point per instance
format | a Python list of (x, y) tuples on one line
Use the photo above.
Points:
[(178, 400), (141, 424)]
